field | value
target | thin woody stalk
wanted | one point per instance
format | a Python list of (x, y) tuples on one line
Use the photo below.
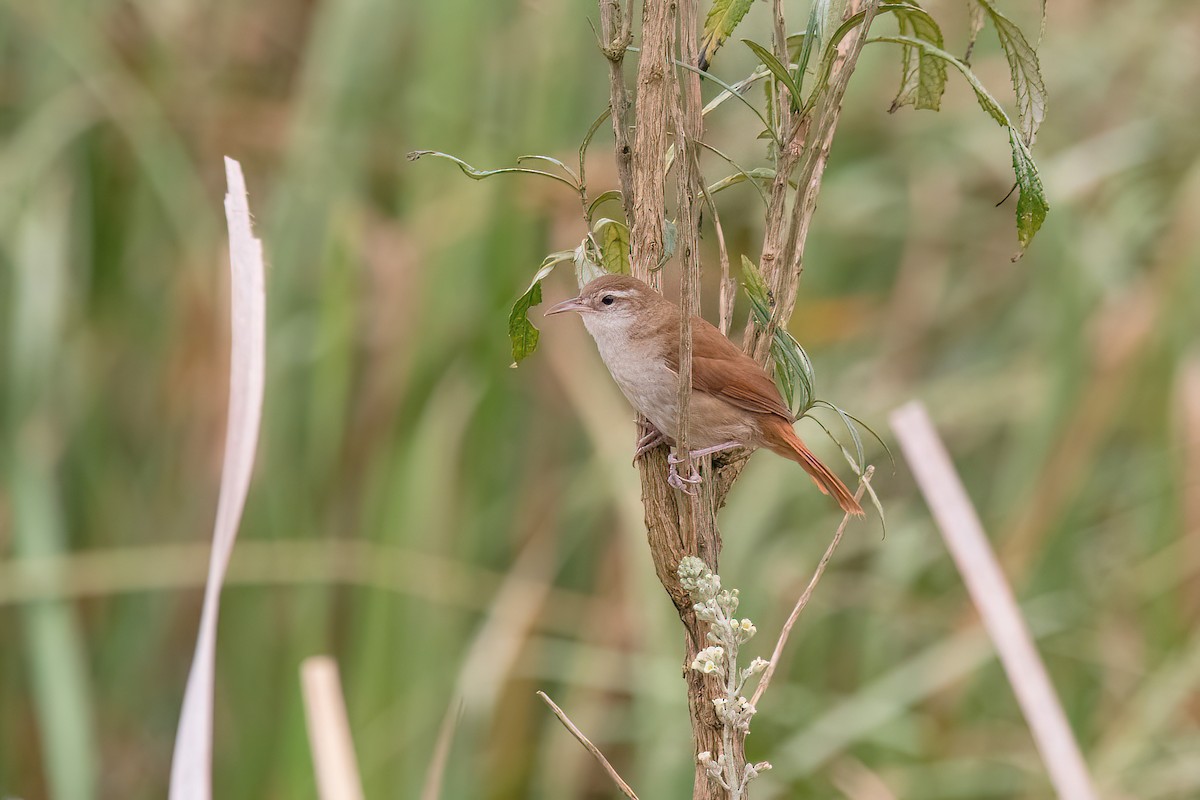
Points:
[(668, 101), (616, 26), (807, 144)]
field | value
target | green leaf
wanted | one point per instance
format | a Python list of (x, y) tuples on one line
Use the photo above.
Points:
[(1031, 203), (757, 176), (811, 36), (754, 176), (978, 17), (858, 471), (730, 91), (670, 240), (772, 64), (795, 45), (986, 101), (1027, 81), (793, 369), (479, 174), (521, 333), (587, 140), (554, 161), (722, 18), (852, 429), (611, 194), (614, 246), (923, 76)]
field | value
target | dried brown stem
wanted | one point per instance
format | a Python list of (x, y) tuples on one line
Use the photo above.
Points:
[(591, 748), (616, 26), (807, 144), (668, 101), (806, 595)]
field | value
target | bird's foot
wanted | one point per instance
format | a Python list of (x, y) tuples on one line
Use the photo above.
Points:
[(681, 482), (693, 477), (651, 438)]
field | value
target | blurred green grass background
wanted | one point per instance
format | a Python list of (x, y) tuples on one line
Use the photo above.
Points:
[(448, 527)]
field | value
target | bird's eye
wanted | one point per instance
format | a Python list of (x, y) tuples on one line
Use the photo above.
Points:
[(607, 300)]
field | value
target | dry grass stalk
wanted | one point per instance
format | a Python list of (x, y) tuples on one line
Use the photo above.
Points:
[(191, 765), (806, 595), (591, 748), (329, 730), (667, 100), (436, 775), (1189, 407), (976, 562)]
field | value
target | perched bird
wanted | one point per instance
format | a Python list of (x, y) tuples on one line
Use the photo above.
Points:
[(734, 402)]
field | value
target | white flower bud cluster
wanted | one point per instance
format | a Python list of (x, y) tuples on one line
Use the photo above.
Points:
[(715, 767), (726, 633), (710, 660), (756, 666), (736, 714)]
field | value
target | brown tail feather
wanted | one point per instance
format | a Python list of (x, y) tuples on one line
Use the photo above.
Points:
[(779, 437)]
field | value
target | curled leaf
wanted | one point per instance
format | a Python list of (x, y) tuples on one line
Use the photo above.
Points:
[(614, 246), (1031, 203), (923, 76), (601, 199), (586, 268), (521, 332), (479, 174)]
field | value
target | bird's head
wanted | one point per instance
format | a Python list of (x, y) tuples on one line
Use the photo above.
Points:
[(611, 301)]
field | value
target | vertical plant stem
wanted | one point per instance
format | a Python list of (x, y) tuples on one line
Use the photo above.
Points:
[(616, 27), (993, 597), (329, 730), (54, 641), (806, 145), (698, 524)]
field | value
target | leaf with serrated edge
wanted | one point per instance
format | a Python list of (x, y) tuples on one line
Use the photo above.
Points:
[(1031, 204), (1027, 82), (923, 76), (722, 18)]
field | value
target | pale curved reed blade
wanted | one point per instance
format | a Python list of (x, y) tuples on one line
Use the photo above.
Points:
[(993, 597), (191, 765)]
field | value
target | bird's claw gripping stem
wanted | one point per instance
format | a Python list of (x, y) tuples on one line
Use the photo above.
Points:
[(651, 438), (681, 482), (693, 477)]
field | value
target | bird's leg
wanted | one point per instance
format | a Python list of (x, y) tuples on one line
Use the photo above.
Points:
[(716, 448), (651, 438), (693, 477)]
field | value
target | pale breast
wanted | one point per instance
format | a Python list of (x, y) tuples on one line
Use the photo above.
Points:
[(652, 388)]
